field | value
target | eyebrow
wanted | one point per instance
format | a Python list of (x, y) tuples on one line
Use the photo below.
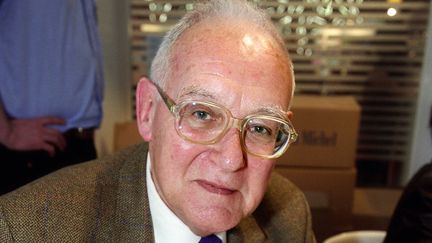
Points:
[(275, 110), (195, 91)]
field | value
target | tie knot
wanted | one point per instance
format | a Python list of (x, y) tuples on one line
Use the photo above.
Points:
[(210, 239)]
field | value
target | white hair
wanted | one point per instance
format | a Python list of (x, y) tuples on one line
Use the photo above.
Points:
[(240, 10)]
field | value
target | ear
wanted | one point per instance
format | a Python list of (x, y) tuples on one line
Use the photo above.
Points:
[(290, 115), (144, 108)]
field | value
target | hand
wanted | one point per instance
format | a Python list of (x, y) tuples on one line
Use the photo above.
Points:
[(33, 134)]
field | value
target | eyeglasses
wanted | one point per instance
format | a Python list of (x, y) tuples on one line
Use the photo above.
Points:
[(202, 122)]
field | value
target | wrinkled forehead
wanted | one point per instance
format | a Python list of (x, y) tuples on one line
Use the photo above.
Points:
[(220, 51), (242, 39)]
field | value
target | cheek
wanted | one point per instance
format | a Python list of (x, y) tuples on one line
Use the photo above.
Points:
[(166, 139), (261, 171), (258, 177), (172, 157)]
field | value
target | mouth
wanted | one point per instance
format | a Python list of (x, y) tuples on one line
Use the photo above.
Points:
[(214, 188)]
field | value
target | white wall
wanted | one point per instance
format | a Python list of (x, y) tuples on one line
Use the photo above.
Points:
[(113, 28), (421, 150)]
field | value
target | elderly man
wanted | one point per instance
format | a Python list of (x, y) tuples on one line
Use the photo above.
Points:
[(215, 115)]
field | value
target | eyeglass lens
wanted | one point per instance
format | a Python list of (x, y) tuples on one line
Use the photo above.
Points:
[(201, 122), (205, 123), (264, 136)]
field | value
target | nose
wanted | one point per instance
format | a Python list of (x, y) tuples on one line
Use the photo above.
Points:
[(230, 155)]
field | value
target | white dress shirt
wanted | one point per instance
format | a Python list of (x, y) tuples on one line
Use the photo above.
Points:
[(167, 227)]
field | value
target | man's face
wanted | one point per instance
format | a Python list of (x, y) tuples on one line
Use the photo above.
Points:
[(212, 187)]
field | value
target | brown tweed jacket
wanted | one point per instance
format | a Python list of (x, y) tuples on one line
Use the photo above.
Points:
[(106, 201)]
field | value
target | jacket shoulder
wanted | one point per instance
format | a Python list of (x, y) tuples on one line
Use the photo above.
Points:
[(64, 205), (284, 213)]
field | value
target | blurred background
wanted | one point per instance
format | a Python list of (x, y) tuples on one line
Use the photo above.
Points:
[(364, 63)]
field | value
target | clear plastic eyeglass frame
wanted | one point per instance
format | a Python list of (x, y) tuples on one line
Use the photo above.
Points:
[(233, 122)]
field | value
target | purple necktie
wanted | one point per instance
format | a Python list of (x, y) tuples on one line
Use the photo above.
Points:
[(210, 239)]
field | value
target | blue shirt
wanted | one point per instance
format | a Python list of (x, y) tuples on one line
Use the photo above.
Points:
[(50, 61)]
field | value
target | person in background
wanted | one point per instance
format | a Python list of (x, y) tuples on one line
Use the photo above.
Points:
[(51, 87), (411, 221), (215, 114)]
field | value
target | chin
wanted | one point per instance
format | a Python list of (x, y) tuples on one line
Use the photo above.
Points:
[(210, 220)]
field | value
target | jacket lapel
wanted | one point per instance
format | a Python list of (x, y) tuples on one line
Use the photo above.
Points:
[(247, 231), (123, 211)]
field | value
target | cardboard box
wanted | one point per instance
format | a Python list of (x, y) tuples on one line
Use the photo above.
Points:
[(329, 192), (126, 134), (328, 128)]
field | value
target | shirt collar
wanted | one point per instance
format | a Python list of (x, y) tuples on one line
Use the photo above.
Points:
[(164, 220)]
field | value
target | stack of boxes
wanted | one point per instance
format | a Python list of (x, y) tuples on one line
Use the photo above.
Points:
[(126, 134), (322, 161)]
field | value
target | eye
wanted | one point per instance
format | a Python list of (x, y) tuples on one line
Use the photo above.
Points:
[(201, 115), (260, 130)]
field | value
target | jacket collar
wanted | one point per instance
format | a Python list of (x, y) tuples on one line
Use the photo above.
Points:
[(123, 213)]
